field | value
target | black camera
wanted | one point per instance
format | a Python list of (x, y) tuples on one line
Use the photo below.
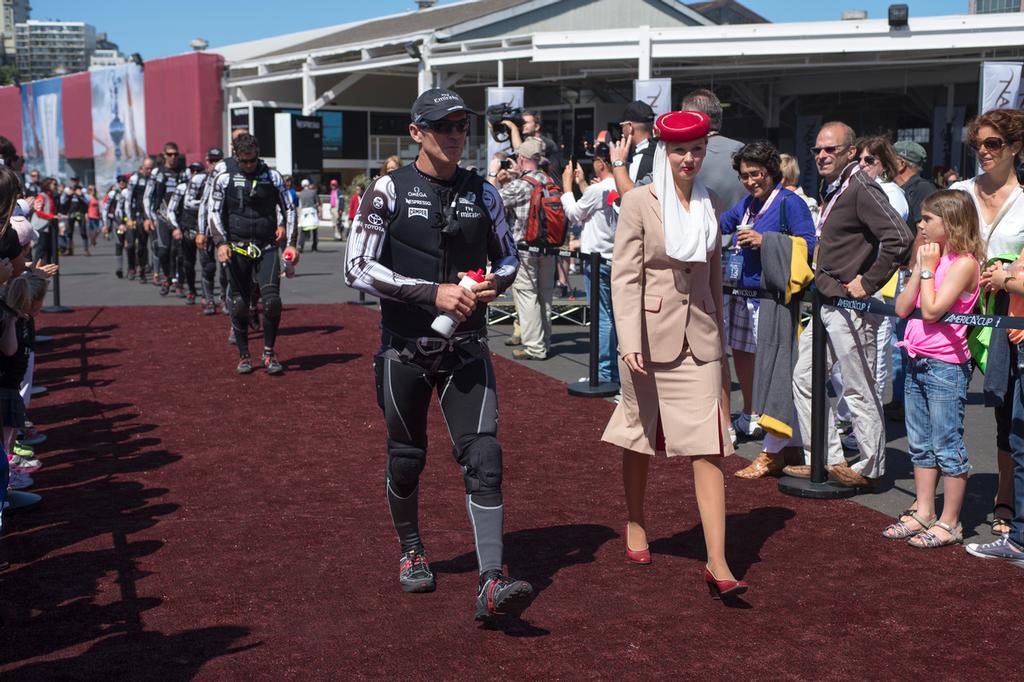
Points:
[(496, 113), (506, 164)]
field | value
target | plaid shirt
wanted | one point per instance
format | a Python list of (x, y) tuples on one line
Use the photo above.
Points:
[(516, 195)]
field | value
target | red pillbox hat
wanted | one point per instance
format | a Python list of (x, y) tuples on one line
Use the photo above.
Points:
[(682, 126)]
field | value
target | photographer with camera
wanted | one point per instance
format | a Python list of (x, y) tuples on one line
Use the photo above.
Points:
[(534, 287), (516, 126), (632, 155)]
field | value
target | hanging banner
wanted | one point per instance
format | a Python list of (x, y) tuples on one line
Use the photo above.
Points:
[(513, 97), (1000, 85), (657, 92), (807, 128), (118, 122), (947, 129), (42, 129)]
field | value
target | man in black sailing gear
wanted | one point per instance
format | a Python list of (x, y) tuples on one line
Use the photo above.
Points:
[(418, 230), (244, 207)]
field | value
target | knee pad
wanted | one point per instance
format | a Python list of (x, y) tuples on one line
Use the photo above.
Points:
[(481, 465), (405, 463), (238, 307), (271, 301)]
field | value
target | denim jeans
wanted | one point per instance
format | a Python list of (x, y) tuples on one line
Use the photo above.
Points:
[(933, 402), (1017, 451), (607, 339)]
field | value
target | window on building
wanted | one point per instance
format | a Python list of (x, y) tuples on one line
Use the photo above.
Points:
[(919, 135), (996, 6)]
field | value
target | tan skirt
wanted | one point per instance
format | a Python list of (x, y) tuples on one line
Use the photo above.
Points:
[(683, 397)]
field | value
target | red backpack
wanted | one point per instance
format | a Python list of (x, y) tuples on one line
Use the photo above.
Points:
[(546, 222)]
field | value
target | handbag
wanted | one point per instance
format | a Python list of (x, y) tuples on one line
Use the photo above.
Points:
[(979, 338)]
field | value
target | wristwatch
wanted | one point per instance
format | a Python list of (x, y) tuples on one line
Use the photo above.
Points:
[(492, 175), (618, 163), (927, 274)]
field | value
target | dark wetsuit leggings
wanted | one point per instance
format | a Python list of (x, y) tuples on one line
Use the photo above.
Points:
[(267, 272), (141, 247), (187, 272)]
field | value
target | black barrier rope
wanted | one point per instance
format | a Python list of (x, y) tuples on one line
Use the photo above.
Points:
[(871, 305)]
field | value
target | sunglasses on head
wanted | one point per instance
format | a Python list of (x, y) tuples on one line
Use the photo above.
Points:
[(445, 126), (869, 160), (831, 151), (992, 144)]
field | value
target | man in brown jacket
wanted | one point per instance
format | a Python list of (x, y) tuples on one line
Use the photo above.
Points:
[(862, 243)]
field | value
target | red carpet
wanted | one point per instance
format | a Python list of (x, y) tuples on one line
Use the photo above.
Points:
[(200, 525)]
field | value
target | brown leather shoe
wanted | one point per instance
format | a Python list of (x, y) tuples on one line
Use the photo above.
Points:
[(765, 464), (844, 475), (797, 470)]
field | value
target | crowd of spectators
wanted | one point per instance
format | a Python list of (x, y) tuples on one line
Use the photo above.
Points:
[(892, 236)]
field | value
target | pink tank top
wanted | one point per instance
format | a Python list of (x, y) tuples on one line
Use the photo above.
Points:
[(946, 342)]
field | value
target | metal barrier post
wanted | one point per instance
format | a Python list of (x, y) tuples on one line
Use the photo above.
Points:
[(55, 259), (594, 387), (818, 486)]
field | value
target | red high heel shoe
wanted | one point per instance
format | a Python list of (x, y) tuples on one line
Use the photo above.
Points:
[(637, 556), (724, 588)]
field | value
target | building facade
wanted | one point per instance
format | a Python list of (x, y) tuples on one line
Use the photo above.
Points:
[(47, 48), (14, 12), (994, 6)]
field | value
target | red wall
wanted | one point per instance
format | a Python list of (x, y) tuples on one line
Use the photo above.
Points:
[(184, 103), (10, 115), (76, 107)]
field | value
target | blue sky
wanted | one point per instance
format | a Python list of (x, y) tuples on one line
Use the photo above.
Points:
[(160, 29)]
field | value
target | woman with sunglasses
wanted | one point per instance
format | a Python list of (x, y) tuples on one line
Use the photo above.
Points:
[(997, 137)]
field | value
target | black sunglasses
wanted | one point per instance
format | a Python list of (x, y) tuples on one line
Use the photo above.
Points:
[(445, 126), (869, 160), (247, 162), (992, 144), (831, 151)]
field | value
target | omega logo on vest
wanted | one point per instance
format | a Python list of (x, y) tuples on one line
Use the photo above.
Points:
[(416, 192)]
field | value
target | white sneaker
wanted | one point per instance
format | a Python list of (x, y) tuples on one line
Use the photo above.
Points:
[(19, 480), (732, 435), (748, 426)]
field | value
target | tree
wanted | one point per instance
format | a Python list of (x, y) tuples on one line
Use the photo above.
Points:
[(8, 74)]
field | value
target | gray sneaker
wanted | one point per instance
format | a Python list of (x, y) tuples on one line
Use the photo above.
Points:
[(414, 574), (998, 549)]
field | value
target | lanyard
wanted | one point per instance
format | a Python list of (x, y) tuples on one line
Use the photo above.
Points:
[(835, 197), (746, 214)]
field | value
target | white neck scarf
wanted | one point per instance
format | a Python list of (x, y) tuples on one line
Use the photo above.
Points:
[(689, 235)]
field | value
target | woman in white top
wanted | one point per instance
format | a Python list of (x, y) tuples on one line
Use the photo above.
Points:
[(997, 137)]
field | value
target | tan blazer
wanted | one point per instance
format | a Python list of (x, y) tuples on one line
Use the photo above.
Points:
[(661, 304)]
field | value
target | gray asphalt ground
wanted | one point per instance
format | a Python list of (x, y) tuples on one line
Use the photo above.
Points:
[(90, 281)]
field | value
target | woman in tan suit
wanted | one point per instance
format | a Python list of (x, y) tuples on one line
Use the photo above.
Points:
[(667, 293)]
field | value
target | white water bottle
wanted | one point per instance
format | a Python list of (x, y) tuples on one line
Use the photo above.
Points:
[(444, 324), (289, 264)]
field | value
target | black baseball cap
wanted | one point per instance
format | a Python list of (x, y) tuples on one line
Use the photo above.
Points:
[(215, 153), (196, 167), (638, 112), (436, 103)]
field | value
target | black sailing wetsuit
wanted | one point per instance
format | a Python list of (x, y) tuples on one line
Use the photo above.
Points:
[(244, 214), (411, 233), (183, 212), (159, 190), (136, 237)]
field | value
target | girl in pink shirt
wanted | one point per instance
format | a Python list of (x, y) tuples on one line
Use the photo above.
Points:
[(944, 279)]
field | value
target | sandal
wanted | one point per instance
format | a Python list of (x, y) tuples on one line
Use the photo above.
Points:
[(929, 540), (999, 521), (901, 531)]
